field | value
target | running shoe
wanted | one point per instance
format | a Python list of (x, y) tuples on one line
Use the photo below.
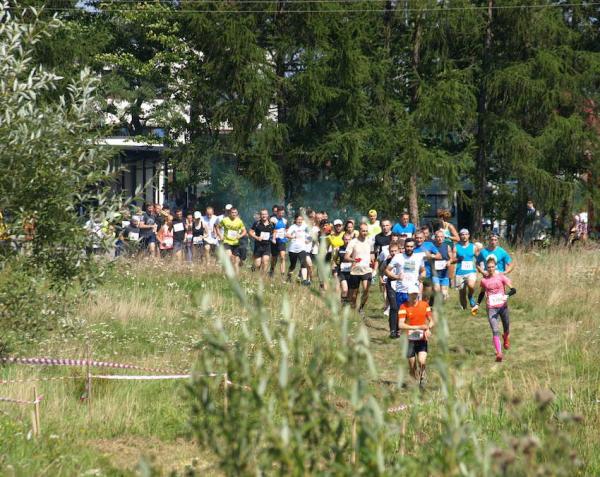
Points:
[(499, 357), (506, 340), (386, 312)]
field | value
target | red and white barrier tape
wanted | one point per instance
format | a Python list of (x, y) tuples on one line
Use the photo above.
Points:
[(19, 401), (143, 378), (400, 408), (79, 362)]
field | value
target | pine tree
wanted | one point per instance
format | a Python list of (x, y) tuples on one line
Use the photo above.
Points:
[(534, 76)]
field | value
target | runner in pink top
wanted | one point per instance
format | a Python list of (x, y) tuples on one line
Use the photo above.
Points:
[(493, 287)]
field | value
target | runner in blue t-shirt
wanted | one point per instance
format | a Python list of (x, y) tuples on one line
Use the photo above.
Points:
[(279, 241), (429, 252), (504, 262), (404, 227), (441, 274), (466, 273)]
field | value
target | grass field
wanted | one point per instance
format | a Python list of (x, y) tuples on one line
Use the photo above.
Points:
[(154, 315)]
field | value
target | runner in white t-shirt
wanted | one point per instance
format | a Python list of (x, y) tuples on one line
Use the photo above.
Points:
[(299, 237), (211, 240), (407, 270)]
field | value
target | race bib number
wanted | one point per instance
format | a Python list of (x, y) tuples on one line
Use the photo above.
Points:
[(133, 236), (125, 223), (178, 227), (440, 264), (416, 335), (409, 267), (345, 267), (168, 242), (265, 235), (466, 266), (232, 234), (189, 237), (197, 240), (497, 299), (211, 240), (280, 233)]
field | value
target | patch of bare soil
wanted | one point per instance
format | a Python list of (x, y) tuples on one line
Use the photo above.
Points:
[(165, 457)]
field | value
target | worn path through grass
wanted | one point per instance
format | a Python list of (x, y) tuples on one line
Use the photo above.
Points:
[(151, 315)]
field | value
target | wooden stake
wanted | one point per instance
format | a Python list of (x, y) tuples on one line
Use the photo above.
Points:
[(353, 459), (36, 411), (88, 384), (33, 424), (225, 384), (402, 437)]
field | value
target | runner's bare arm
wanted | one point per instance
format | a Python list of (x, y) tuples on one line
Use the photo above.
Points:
[(453, 233), (388, 273), (509, 267)]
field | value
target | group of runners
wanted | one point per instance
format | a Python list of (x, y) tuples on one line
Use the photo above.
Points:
[(412, 266)]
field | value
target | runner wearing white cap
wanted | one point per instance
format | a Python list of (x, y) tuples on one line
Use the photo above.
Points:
[(416, 319), (197, 235)]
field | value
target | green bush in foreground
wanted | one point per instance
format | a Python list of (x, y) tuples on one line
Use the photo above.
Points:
[(302, 403), (52, 168)]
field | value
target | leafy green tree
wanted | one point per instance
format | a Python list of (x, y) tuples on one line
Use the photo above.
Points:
[(52, 167)]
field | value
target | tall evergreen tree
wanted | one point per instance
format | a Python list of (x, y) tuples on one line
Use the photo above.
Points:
[(532, 134)]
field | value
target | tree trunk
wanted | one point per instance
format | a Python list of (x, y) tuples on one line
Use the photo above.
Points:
[(280, 68), (481, 160), (413, 192)]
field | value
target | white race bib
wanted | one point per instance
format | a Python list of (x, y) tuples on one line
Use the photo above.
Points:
[(189, 237), (265, 235), (280, 233), (134, 236), (168, 242), (125, 223), (416, 335), (497, 299), (409, 266), (232, 234), (211, 240), (467, 266), (345, 267), (178, 227), (197, 240), (440, 264)]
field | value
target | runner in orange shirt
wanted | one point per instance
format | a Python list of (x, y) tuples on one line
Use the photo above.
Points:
[(416, 318)]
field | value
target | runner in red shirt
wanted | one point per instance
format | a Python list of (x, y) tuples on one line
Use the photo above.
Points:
[(416, 318), (493, 288)]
